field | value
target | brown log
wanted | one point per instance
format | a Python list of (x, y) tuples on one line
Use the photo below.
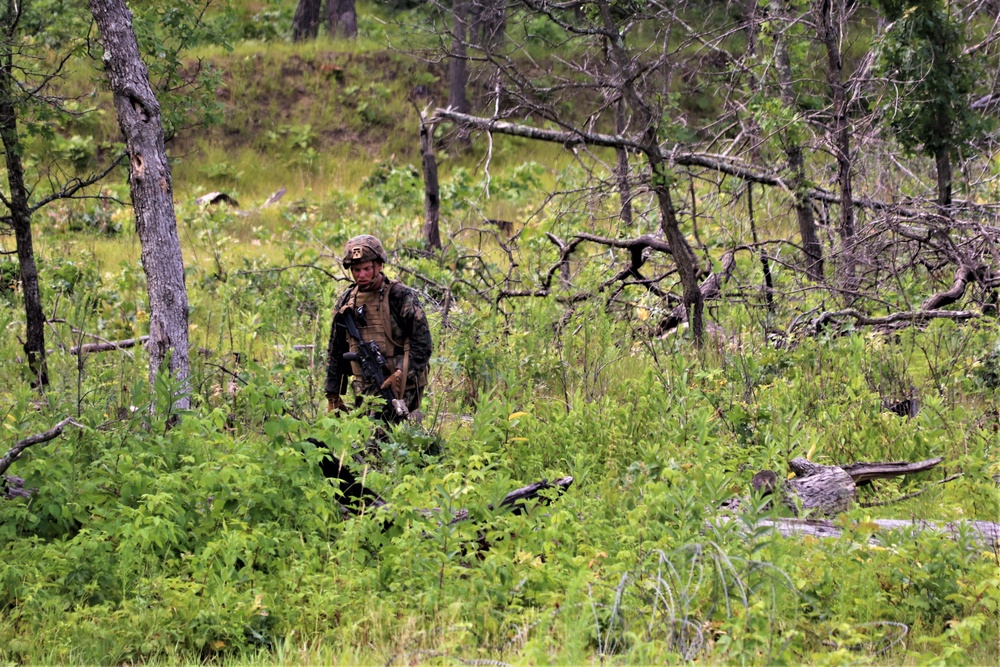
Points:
[(107, 346), (862, 472)]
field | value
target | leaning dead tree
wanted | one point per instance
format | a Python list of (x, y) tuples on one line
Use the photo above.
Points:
[(152, 193)]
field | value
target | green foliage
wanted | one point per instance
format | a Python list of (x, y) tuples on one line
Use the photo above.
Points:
[(923, 54)]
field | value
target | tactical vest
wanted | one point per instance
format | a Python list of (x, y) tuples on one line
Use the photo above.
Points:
[(377, 324), (380, 328)]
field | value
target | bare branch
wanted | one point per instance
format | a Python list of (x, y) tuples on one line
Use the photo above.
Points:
[(15, 452)]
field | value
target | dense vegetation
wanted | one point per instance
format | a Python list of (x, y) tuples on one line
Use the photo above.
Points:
[(212, 536)]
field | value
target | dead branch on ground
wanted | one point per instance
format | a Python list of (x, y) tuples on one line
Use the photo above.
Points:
[(14, 453)]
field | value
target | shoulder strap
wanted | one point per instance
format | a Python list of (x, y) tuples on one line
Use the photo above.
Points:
[(349, 300), (387, 313)]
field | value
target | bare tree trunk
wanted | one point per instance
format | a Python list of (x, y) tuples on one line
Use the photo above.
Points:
[(942, 159), (305, 22), (624, 190), (660, 177), (432, 196), (458, 74), (833, 16), (341, 19), (796, 164), (152, 192), (488, 23), (20, 213)]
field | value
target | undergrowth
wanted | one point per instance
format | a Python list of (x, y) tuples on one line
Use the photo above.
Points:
[(219, 539)]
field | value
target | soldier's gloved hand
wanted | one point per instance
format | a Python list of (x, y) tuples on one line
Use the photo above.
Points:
[(335, 404), (392, 379)]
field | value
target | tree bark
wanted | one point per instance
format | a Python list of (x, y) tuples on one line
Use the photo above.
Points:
[(432, 194), (305, 22), (832, 19), (796, 164), (488, 23), (458, 74), (341, 19), (152, 193), (648, 124), (624, 190), (20, 213), (942, 159)]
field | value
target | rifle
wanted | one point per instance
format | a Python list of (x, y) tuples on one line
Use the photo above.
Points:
[(373, 365)]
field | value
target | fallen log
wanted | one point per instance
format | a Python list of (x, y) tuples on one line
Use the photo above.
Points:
[(828, 490), (109, 345), (986, 532)]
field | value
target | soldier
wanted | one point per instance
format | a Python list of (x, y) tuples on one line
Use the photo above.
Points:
[(388, 313)]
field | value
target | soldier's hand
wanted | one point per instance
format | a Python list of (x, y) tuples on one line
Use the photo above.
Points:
[(335, 404), (392, 379)]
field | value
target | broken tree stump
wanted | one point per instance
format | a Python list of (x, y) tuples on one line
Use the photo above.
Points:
[(818, 489), (828, 490)]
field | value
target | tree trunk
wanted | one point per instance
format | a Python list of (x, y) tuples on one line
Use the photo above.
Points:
[(152, 193), (796, 164), (942, 158), (432, 196), (458, 75), (341, 19), (648, 124), (832, 19), (624, 190), (488, 23), (20, 213), (305, 22)]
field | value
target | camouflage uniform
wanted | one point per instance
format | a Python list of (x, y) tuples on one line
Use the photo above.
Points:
[(407, 326)]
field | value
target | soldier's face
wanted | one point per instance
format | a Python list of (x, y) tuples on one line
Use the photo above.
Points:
[(365, 273)]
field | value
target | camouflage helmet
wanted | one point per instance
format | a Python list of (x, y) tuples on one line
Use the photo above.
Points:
[(364, 248)]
